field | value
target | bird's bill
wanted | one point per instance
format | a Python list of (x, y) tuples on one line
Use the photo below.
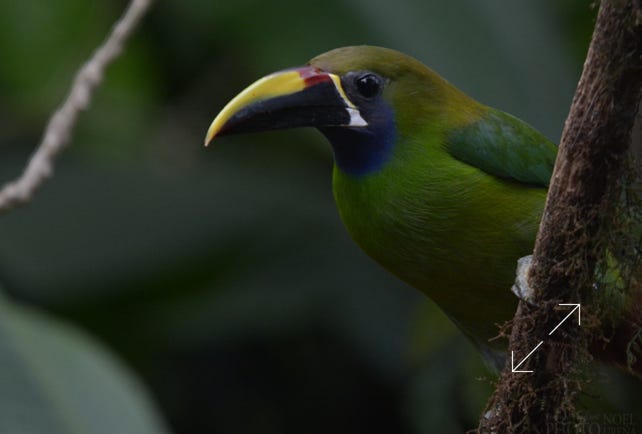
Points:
[(300, 97)]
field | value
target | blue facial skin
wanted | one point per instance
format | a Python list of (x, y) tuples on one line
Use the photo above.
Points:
[(359, 151)]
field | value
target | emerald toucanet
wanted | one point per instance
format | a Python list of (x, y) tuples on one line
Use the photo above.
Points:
[(442, 191)]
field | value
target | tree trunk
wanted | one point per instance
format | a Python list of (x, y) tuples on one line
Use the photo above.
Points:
[(585, 191)]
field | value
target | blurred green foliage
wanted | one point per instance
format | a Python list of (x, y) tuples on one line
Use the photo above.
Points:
[(56, 380), (223, 277)]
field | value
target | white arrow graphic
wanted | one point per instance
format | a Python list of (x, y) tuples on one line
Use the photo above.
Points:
[(512, 360), (515, 368), (579, 315)]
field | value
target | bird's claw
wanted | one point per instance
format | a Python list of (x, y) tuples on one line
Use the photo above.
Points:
[(521, 287)]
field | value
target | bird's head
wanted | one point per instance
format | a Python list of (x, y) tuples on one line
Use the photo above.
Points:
[(361, 98)]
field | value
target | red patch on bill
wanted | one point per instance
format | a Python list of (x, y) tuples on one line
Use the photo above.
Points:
[(312, 76)]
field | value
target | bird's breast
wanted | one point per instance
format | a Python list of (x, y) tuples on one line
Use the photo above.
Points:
[(453, 234)]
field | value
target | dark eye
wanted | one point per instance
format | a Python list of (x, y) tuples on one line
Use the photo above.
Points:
[(368, 85)]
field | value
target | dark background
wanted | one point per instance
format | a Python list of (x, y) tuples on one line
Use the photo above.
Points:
[(223, 276)]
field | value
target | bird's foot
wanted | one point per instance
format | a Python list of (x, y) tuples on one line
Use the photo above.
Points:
[(521, 288)]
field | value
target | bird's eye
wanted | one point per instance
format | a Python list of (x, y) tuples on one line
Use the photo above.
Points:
[(369, 85)]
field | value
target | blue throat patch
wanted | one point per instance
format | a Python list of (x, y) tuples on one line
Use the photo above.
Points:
[(361, 151)]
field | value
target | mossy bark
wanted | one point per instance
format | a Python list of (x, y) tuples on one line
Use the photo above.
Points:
[(585, 191)]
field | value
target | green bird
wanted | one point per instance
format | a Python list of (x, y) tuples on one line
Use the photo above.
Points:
[(444, 192)]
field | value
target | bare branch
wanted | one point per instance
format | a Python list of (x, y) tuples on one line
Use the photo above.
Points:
[(60, 127)]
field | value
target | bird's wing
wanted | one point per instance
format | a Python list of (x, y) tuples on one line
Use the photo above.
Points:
[(504, 146)]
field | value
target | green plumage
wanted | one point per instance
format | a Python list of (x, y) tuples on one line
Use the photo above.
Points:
[(460, 199), (446, 227), (504, 146), (442, 191)]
